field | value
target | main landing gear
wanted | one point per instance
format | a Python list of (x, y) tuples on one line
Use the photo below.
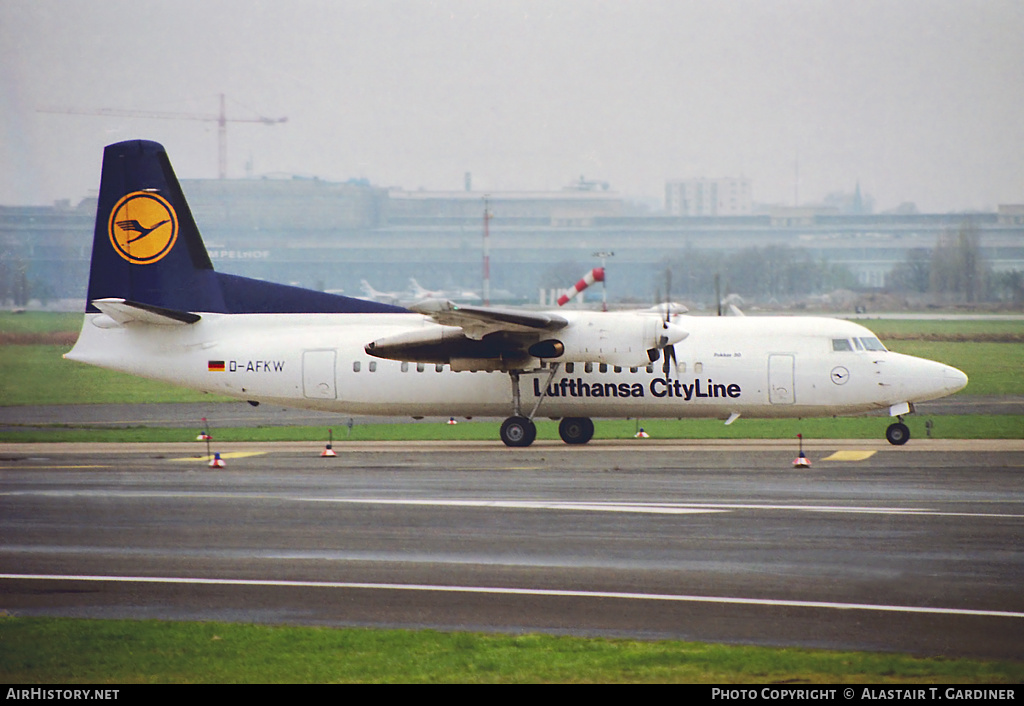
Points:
[(897, 434), (576, 430), (520, 431)]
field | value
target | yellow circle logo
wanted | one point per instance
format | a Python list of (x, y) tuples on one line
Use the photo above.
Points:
[(143, 227)]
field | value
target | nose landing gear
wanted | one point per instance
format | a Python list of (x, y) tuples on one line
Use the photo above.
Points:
[(897, 434)]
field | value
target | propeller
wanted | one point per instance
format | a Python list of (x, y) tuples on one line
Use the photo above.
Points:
[(671, 332), (665, 341)]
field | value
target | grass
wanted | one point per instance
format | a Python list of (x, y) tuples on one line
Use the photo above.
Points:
[(38, 375), (73, 651), (955, 330), (943, 427), (38, 322)]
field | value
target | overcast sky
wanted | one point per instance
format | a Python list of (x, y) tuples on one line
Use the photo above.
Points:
[(917, 100)]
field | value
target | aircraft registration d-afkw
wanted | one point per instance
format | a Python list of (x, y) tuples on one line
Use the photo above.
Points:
[(156, 308)]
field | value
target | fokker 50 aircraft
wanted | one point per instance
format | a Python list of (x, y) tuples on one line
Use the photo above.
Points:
[(157, 308)]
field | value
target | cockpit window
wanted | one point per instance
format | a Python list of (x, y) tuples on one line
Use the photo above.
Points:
[(841, 344), (857, 344), (872, 344)]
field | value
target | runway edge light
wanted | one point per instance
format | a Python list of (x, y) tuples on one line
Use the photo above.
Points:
[(217, 461), (801, 461), (329, 452)]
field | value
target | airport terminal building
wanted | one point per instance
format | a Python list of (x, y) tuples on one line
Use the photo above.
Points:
[(330, 236)]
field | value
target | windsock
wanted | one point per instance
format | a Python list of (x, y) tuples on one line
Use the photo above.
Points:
[(595, 275)]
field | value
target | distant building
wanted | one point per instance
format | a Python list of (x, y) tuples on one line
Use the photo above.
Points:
[(708, 197), (1011, 214)]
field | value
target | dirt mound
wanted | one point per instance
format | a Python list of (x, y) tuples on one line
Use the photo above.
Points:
[(56, 338)]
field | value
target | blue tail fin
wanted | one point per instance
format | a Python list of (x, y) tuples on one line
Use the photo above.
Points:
[(147, 249)]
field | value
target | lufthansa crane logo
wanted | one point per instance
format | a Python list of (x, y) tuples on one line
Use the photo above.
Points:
[(143, 227)]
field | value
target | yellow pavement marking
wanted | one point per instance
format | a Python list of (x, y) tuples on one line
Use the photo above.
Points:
[(850, 455), (233, 454)]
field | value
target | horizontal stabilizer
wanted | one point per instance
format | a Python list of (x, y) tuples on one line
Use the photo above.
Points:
[(123, 311)]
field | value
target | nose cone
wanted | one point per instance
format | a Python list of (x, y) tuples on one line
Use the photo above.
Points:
[(672, 333), (955, 380), (920, 380)]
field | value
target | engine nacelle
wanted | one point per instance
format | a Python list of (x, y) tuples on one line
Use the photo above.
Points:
[(615, 338), (625, 339), (449, 345)]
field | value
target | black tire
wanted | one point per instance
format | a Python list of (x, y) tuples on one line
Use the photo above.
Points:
[(897, 434), (576, 430), (518, 432)]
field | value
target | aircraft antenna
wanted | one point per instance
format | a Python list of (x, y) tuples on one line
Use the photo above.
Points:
[(221, 119)]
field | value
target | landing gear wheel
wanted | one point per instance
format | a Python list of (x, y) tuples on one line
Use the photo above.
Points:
[(576, 430), (897, 434), (518, 431)]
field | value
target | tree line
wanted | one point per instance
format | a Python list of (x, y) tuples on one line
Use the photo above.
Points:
[(955, 272)]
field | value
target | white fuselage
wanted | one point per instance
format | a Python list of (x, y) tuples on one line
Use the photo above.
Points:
[(751, 366)]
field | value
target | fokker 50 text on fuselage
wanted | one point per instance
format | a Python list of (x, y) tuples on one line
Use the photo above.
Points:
[(157, 308)]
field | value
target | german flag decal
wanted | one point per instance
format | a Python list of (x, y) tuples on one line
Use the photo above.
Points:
[(215, 366)]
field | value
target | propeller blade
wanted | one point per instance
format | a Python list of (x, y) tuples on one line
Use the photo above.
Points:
[(668, 294), (670, 361), (718, 294)]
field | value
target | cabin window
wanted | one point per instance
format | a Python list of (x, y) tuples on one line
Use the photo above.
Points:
[(438, 367), (698, 367), (588, 367), (841, 344), (405, 367), (355, 367), (634, 370), (373, 366), (650, 367), (603, 368), (570, 367), (681, 367), (873, 344), (420, 367)]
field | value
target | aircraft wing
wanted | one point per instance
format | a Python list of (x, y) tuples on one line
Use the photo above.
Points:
[(479, 321)]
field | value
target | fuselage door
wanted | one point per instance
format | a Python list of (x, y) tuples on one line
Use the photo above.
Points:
[(318, 375), (781, 379)]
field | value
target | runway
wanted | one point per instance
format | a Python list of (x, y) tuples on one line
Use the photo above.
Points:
[(916, 549)]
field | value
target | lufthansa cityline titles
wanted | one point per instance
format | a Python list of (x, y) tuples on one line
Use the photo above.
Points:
[(658, 387)]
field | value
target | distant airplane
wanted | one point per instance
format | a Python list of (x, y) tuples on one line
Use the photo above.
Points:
[(420, 293), (372, 294), (157, 308)]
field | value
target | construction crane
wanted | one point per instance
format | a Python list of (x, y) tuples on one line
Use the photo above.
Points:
[(222, 123)]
